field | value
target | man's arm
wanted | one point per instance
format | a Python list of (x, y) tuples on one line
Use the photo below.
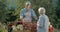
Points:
[(21, 14), (34, 15)]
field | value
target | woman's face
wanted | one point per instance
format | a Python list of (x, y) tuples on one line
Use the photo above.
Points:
[(41, 11)]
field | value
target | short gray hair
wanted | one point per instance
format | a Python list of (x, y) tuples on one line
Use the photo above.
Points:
[(41, 8)]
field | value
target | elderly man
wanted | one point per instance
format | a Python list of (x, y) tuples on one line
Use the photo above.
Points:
[(27, 13), (43, 21)]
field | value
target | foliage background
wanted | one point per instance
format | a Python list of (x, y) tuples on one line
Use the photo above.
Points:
[(10, 10)]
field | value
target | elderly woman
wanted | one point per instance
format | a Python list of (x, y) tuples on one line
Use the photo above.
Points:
[(43, 21)]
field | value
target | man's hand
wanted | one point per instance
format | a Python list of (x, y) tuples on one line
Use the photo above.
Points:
[(35, 18), (21, 17)]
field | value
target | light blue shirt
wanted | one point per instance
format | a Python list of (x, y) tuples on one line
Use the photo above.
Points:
[(27, 15), (43, 23)]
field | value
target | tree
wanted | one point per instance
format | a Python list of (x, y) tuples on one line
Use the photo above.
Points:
[(6, 14), (58, 14), (3, 10), (10, 15)]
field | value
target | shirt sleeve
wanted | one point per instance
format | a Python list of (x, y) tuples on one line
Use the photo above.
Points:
[(22, 13), (33, 13)]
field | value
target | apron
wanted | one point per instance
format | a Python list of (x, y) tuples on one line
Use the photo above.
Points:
[(27, 21), (27, 17)]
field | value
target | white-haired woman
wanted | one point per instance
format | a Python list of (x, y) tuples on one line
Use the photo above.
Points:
[(43, 21)]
